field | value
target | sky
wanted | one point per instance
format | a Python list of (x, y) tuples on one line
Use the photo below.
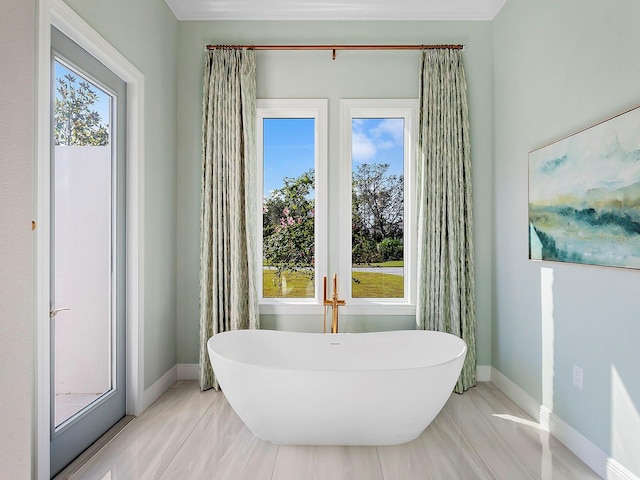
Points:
[(289, 146), (288, 149)]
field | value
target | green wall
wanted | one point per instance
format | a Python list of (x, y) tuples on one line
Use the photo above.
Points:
[(147, 36), (560, 67), (315, 75)]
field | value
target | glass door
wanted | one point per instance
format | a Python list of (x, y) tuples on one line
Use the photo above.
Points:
[(87, 270)]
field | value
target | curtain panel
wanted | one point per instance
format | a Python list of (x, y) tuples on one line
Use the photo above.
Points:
[(446, 290), (228, 293)]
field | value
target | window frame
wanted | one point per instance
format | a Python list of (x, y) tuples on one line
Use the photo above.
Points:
[(378, 108), (296, 108)]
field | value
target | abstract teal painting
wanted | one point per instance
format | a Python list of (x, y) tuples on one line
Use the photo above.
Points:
[(584, 196)]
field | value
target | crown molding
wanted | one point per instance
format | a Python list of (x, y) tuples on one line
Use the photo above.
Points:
[(336, 10)]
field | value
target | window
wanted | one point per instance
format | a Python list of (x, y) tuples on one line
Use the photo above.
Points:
[(377, 224), (292, 142), (372, 196)]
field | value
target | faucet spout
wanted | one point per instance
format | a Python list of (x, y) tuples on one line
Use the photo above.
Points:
[(334, 303)]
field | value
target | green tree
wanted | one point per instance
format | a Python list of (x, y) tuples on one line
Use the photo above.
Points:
[(75, 120), (377, 222), (377, 211), (288, 227)]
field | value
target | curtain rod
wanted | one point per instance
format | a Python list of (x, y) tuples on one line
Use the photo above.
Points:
[(338, 47)]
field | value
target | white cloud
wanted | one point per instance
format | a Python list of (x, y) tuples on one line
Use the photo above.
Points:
[(385, 144), (362, 147), (390, 127), (365, 142)]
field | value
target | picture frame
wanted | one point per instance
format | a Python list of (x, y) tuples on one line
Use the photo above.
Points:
[(584, 196)]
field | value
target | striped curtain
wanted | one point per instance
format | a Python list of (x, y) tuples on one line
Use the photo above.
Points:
[(446, 291), (228, 293)]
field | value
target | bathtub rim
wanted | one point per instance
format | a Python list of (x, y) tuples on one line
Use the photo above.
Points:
[(270, 368)]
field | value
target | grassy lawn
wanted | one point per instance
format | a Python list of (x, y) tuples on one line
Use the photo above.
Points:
[(377, 285), (371, 285), (293, 286)]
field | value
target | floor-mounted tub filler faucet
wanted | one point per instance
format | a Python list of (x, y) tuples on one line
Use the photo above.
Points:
[(334, 303)]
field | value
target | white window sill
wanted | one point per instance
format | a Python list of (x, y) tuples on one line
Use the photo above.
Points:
[(378, 309)]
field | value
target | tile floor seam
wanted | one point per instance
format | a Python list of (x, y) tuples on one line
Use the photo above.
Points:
[(166, 468), (489, 470), (468, 440), (275, 460), (380, 463)]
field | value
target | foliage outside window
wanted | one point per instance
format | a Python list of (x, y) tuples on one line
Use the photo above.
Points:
[(77, 121), (292, 146), (294, 217), (377, 235), (377, 154), (289, 238)]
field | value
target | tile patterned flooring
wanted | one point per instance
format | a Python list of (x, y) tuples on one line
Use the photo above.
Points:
[(191, 435)]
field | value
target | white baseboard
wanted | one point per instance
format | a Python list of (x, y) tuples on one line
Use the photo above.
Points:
[(483, 373), (617, 471), (517, 395), (584, 449), (155, 391), (188, 371)]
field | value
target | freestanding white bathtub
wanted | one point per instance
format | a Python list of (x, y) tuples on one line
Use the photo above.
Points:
[(380, 388)]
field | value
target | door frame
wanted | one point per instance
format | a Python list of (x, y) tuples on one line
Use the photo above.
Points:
[(58, 14)]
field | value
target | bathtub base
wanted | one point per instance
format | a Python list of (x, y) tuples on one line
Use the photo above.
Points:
[(354, 401)]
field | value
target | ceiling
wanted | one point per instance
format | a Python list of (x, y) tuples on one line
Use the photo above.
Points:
[(335, 9)]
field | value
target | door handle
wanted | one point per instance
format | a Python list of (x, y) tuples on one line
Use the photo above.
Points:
[(53, 313)]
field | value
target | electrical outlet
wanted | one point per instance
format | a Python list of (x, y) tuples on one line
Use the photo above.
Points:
[(577, 376)]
